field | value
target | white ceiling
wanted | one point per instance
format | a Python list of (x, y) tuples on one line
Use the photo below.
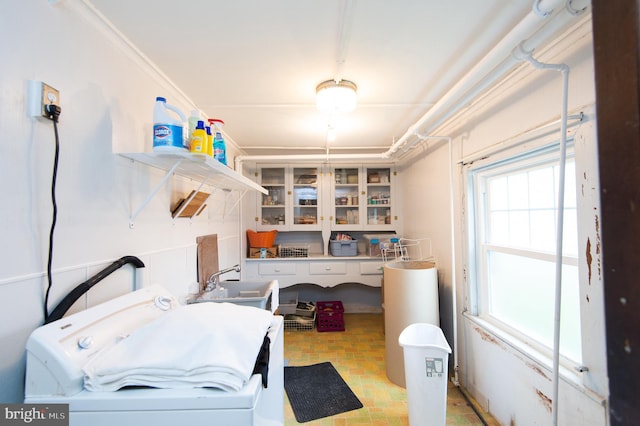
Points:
[(256, 63)]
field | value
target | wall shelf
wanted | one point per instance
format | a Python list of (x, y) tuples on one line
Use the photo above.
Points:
[(200, 168)]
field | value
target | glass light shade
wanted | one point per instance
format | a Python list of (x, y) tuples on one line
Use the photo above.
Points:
[(336, 96)]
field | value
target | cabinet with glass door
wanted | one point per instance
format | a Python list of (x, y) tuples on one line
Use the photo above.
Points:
[(272, 209), (361, 198), (293, 200), (346, 196), (380, 212), (306, 187)]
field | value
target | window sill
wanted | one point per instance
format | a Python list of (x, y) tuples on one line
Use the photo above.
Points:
[(541, 357)]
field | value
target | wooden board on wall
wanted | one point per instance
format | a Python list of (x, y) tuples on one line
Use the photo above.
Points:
[(207, 257), (196, 203)]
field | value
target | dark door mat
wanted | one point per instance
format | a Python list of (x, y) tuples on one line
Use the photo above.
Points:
[(317, 391)]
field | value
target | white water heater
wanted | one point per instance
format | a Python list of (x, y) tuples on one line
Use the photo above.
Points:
[(410, 296)]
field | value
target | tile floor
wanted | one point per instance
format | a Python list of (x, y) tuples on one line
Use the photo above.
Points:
[(358, 355)]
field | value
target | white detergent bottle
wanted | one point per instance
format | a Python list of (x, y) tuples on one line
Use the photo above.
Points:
[(167, 128), (193, 122)]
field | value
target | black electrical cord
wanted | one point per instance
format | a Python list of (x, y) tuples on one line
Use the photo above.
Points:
[(53, 112), (68, 301)]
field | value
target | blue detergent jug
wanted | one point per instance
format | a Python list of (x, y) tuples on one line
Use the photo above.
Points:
[(167, 128)]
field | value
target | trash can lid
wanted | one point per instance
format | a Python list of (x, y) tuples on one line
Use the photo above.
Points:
[(424, 335)]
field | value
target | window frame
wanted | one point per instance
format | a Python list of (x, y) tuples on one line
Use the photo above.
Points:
[(478, 285)]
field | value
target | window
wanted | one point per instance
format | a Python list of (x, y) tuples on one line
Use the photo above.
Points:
[(516, 206)]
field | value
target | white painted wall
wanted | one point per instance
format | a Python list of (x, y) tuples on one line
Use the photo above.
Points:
[(107, 94), (516, 388), (427, 215)]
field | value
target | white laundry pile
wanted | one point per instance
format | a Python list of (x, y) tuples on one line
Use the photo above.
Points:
[(198, 345)]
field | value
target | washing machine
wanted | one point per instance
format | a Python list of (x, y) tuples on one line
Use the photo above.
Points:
[(57, 352)]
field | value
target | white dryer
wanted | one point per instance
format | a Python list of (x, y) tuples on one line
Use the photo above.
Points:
[(57, 352)]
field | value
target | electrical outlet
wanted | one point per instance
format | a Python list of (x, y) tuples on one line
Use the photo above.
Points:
[(41, 95)]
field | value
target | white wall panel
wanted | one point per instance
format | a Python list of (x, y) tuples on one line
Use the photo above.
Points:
[(515, 388), (107, 92)]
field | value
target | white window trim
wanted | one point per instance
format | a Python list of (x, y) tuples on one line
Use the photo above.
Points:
[(477, 252), (595, 380), (536, 354), (546, 256)]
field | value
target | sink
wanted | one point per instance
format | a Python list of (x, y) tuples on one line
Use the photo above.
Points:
[(259, 294)]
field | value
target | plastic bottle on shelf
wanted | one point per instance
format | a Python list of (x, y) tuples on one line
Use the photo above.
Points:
[(193, 122), (373, 220), (199, 139), (219, 147), (167, 128), (374, 247), (209, 141)]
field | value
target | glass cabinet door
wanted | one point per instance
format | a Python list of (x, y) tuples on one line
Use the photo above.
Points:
[(358, 197), (306, 203), (346, 198), (272, 207), (378, 192)]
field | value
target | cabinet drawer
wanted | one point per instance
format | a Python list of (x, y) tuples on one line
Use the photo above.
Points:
[(371, 268), (273, 268), (327, 268)]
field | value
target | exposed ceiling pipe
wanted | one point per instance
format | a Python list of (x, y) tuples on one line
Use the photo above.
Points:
[(522, 54), (544, 20), (527, 135), (315, 148), (312, 157)]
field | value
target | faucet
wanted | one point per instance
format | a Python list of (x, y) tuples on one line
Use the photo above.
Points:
[(213, 280)]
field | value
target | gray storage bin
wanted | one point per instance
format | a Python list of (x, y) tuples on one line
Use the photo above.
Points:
[(343, 248)]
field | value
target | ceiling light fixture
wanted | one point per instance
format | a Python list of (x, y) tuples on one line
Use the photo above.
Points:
[(334, 96)]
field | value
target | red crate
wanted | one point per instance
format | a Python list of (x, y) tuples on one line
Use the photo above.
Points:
[(330, 316)]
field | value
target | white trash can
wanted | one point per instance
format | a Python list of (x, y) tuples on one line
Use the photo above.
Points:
[(426, 361)]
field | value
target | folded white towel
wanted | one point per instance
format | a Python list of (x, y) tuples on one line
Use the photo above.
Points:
[(199, 345)]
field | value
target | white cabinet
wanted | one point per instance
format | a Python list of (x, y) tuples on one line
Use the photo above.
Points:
[(306, 198), (351, 198), (321, 270), (294, 198), (362, 198), (381, 214), (328, 268), (371, 268), (272, 209), (276, 268), (347, 212)]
